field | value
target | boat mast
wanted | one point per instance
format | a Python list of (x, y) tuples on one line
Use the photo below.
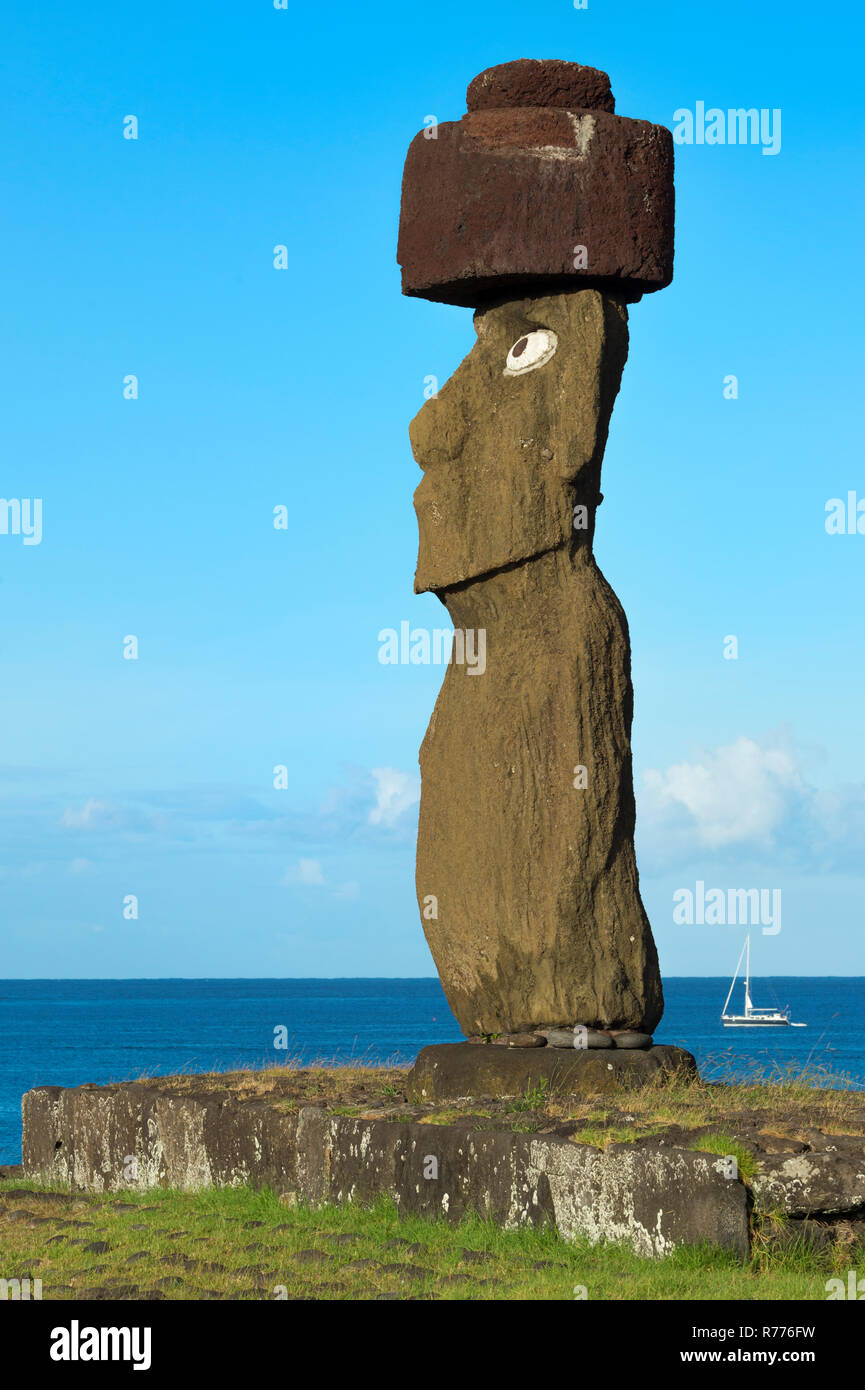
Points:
[(735, 977), (748, 1005)]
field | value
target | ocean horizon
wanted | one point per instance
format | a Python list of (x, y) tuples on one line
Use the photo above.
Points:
[(68, 1032)]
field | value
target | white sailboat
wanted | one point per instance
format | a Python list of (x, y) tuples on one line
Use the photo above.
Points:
[(754, 1018)]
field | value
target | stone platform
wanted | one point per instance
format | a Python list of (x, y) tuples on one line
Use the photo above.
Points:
[(617, 1169), (134, 1136), (449, 1071)]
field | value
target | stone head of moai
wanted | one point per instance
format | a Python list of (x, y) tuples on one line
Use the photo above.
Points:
[(548, 214)]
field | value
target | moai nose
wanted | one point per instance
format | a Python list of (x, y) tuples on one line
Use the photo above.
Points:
[(446, 427)]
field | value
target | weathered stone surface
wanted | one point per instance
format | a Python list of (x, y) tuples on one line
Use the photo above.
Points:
[(540, 82), (539, 918), (617, 1193), (121, 1137), (448, 1071), (501, 201), (806, 1184), (526, 1040), (651, 1198)]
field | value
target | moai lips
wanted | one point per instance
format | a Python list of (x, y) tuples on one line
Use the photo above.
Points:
[(539, 187), (538, 920)]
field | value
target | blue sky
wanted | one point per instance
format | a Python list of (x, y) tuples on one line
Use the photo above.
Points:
[(260, 388)]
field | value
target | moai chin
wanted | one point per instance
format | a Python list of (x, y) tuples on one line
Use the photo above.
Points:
[(548, 214)]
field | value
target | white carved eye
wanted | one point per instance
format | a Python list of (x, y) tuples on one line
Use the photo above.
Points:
[(530, 351)]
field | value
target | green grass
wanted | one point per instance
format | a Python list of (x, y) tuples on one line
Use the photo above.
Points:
[(534, 1098), (729, 1147), (202, 1245)]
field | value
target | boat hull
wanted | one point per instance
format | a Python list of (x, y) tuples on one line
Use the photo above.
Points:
[(755, 1022)]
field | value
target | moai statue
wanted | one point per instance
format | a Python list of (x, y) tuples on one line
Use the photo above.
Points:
[(548, 214)]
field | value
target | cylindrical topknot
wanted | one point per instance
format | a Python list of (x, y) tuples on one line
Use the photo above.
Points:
[(541, 82), (540, 187)]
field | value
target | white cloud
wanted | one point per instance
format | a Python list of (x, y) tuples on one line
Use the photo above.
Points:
[(308, 871), (395, 793), (750, 800), (92, 813), (737, 794), (80, 866), (103, 815)]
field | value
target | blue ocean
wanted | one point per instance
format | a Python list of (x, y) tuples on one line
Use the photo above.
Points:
[(66, 1032)]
